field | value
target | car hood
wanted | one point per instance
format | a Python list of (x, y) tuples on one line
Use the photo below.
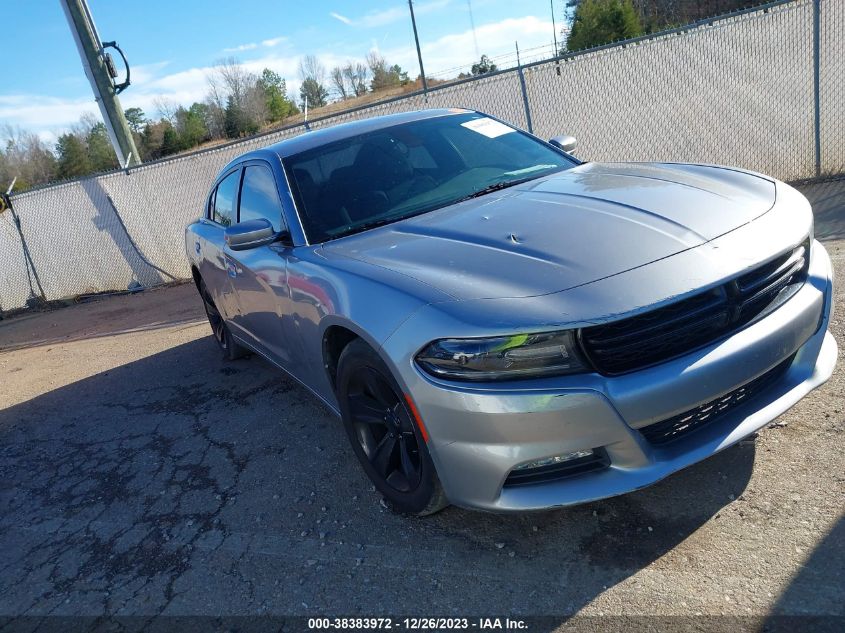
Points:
[(564, 230)]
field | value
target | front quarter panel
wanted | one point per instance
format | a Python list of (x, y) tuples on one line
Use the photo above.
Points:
[(366, 300)]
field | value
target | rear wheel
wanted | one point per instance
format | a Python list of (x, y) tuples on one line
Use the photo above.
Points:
[(384, 435), (231, 350)]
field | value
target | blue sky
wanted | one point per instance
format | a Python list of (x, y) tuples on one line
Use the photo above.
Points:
[(171, 45)]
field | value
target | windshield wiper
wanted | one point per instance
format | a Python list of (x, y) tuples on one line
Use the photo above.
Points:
[(496, 186)]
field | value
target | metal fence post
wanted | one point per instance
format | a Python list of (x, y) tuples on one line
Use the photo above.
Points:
[(31, 271), (524, 92), (816, 84)]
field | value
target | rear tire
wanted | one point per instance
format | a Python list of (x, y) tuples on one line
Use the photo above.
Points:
[(384, 434), (219, 329)]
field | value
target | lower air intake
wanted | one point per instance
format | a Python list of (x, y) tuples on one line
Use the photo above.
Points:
[(687, 422)]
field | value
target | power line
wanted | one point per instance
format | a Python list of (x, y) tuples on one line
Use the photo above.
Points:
[(472, 24), (505, 60)]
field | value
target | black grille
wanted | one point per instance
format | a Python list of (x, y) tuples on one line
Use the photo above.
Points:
[(682, 327), (554, 472), (684, 423)]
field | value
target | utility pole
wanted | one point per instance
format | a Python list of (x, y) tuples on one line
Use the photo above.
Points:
[(417, 40), (554, 32), (94, 63)]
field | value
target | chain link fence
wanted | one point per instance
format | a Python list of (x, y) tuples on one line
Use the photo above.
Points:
[(831, 99), (16, 286), (763, 90), (737, 92)]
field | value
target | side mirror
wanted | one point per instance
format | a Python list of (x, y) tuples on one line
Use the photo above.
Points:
[(250, 234), (565, 142)]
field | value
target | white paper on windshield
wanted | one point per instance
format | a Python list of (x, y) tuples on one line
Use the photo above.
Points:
[(528, 170), (488, 127)]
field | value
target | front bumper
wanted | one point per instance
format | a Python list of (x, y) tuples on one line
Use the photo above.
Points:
[(479, 434)]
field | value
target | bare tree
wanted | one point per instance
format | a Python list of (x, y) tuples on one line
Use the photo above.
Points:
[(232, 88), (216, 95), (383, 74), (339, 82), (376, 62), (234, 78), (215, 119), (85, 124), (356, 76), (313, 75), (23, 155), (255, 103), (311, 68), (167, 109)]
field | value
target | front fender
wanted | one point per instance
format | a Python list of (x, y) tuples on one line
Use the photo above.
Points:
[(355, 296)]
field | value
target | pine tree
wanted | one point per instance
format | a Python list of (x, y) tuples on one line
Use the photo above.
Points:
[(483, 66), (170, 142), (315, 92), (73, 157), (599, 22), (100, 151), (275, 96)]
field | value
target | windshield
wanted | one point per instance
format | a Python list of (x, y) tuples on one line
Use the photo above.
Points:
[(408, 169)]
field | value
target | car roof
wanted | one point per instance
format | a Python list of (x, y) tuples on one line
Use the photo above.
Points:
[(324, 136)]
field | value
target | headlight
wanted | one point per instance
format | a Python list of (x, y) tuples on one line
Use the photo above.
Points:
[(503, 357)]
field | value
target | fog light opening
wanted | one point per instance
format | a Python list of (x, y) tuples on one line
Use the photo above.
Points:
[(558, 467), (556, 459)]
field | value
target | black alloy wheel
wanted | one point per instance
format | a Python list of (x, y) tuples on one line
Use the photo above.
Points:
[(218, 327), (222, 335), (383, 433)]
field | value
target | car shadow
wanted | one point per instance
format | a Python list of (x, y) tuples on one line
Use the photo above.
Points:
[(828, 200), (99, 318), (178, 483), (814, 594)]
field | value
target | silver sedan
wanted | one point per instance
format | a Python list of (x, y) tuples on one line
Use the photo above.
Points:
[(504, 327)]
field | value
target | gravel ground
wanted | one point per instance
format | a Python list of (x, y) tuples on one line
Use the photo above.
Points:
[(140, 474)]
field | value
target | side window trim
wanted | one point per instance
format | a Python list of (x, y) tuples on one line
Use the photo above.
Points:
[(237, 217), (209, 205), (289, 202)]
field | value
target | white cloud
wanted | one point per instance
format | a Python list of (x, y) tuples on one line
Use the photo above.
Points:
[(496, 40), (251, 46), (342, 18), (43, 114), (185, 87), (49, 137), (274, 41), (240, 48), (383, 18), (49, 116), (144, 73), (376, 19)]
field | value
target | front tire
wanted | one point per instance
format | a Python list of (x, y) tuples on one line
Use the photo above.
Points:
[(384, 434)]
